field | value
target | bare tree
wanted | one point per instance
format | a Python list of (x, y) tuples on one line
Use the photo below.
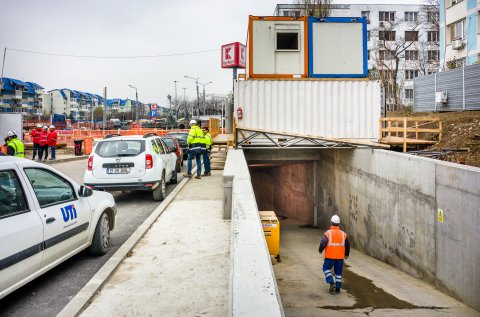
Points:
[(430, 14), (390, 50), (316, 8)]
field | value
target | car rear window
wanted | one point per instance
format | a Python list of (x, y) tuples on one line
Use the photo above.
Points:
[(180, 136), (120, 148)]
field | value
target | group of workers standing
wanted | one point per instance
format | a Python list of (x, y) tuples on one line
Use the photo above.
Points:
[(43, 138), (199, 145)]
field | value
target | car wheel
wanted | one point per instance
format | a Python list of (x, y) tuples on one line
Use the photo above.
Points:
[(174, 180), (178, 167), (101, 238), (160, 192)]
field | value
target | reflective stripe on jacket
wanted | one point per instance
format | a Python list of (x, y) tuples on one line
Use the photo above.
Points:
[(335, 248), (17, 145), (195, 139)]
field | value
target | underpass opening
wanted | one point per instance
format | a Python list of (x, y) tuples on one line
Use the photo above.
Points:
[(286, 188)]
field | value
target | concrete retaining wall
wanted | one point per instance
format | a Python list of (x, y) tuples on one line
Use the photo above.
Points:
[(253, 288), (388, 204)]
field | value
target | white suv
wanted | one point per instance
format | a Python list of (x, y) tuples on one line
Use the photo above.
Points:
[(46, 218), (132, 163)]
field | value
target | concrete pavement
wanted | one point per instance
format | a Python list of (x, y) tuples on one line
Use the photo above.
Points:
[(181, 266)]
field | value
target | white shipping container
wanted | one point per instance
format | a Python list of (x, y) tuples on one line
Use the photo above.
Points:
[(330, 109)]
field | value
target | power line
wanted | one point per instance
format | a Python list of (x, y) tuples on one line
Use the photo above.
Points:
[(112, 57)]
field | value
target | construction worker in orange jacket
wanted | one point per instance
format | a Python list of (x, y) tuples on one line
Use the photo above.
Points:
[(337, 249)]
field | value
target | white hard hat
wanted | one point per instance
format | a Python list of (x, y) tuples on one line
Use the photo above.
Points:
[(39, 125), (11, 133), (193, 122), (335, 219), (52, 127), (45, 127)]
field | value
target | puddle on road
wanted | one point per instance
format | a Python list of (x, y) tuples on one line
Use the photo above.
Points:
[(367, 295)]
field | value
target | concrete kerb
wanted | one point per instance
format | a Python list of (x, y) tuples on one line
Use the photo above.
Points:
[(75, 158), (82, 299)]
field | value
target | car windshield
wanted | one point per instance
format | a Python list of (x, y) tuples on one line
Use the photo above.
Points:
[(120, 148), (180, 136), (169, 142)]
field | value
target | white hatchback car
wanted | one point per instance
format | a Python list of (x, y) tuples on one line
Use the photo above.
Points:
[(45, 218), (132, 163)]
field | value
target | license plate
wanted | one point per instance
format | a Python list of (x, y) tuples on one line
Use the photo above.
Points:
[(118, 170)]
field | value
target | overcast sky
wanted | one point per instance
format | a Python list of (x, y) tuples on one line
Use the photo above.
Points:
[(127, 28)]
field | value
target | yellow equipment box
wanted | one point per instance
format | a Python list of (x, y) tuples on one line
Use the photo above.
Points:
[(271, 229)]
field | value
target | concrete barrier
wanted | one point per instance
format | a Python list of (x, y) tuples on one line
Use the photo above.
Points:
[(389, 205), (253, 288)]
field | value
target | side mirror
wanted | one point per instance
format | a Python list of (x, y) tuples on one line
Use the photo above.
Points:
[(84, 191), (172, 149)]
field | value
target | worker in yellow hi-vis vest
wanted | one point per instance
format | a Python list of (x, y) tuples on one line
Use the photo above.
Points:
[(15, 147), (206, 156), (196, 147)]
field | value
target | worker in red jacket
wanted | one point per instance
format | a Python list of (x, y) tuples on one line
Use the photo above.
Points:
[(52, 141), (35, 134), (43, 144)]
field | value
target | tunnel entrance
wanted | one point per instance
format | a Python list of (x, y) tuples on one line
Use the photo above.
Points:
[(286, 188)]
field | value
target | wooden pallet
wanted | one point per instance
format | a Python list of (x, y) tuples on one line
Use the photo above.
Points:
[(218, 156)]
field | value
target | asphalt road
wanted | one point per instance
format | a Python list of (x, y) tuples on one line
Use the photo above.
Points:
[(49, 293)]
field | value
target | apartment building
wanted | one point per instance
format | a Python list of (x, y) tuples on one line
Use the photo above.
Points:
[(403, 34), (75, 104), (19, 96), (459, 33)]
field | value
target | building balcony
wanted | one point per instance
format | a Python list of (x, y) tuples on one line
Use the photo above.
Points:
[(25, 105), (18, 95)]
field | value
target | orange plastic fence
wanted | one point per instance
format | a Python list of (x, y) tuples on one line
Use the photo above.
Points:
[(68, 136)]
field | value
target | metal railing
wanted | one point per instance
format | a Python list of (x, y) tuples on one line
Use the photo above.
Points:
[(414, 131)]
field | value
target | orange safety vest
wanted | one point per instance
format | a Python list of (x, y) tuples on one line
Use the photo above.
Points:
[(335, 248)]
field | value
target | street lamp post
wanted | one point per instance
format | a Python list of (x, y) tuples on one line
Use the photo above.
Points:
[(198, 94), (204, 107), (136, 103)]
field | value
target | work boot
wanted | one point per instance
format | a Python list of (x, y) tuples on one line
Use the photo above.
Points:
[(332, 288), (187, 175), (198, 177), (337, 291), (207, 174)]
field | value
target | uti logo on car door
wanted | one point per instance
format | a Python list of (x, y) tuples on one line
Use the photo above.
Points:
[(69, 213)]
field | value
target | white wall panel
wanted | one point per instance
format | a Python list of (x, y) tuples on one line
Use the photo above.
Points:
[(333, 109), (266, 59)]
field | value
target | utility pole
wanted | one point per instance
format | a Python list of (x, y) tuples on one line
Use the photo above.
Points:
[(104, 109), (3, 64), (198, 94), (185, 102), (136, 103), (204, 107), (176, 100)]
